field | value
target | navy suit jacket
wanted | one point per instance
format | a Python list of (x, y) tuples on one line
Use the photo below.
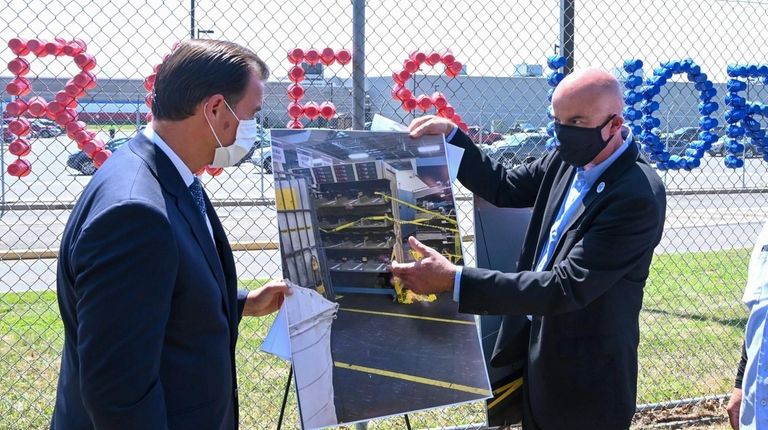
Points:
[(581, 370), (149, 304)]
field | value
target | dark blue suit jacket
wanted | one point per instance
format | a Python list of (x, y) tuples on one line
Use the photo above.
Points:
[(581, 369), (149, 304)]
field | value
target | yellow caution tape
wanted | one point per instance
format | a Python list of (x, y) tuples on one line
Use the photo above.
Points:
[(510, 388)]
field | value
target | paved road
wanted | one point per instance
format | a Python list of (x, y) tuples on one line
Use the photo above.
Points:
[(51, 180), (713, 222), (696, 222)]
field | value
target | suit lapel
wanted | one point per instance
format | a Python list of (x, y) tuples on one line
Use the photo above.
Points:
[(193, 217), (169, 178), (224, 252), (614, 171)]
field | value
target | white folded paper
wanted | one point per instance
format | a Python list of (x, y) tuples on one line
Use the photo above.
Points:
[(301, 333)]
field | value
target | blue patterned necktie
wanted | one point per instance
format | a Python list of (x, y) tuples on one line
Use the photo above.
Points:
[(581, 181), (196, 189)]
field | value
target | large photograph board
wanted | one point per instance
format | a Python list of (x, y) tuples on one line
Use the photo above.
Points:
[(347, 201)]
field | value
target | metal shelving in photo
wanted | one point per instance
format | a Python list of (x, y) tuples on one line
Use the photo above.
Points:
[(358, 231), (435, 221)]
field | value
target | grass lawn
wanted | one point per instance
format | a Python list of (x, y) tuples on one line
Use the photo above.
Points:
[(691, 327)]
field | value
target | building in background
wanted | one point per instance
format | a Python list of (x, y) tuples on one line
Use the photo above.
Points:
[(492, 103)]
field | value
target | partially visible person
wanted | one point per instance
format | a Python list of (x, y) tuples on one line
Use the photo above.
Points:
[(753, 369), (734, 402), (146, 280)]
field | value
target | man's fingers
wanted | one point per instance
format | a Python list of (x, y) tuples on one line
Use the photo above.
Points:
[(278, 288), (433, 126), (733, 408), (420, 130), (733, 419), (401, 269), (418, 122), (406, 281), (430, 125), (414, 286), (424, 250), (276, 284)]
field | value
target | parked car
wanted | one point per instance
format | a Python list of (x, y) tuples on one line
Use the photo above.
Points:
[(45, 128), (750, 151), (687, 134), (520, 148), (482, 137), (525, 127), (678, 141), (83, 164), (262, 154), (7, 135), (38, 127)]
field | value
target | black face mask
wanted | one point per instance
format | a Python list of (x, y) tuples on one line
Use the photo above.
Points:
[(580, 145)]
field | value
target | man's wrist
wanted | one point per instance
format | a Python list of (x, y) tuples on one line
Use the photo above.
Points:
[(457, 283), (451, 133), (453, 269), (248, 309)]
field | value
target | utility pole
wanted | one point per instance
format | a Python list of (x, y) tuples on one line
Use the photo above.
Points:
[(358, 64), (567, 32), (192, 20)]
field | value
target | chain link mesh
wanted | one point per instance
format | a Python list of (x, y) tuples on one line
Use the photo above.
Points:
[(692, 323)]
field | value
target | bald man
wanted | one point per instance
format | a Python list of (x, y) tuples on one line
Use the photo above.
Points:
[(598, 214)]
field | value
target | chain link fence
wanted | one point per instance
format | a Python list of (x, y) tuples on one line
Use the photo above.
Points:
[(693, 320)]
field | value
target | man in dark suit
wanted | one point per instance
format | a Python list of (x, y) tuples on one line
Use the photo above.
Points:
[(598, 214), (146, 278)]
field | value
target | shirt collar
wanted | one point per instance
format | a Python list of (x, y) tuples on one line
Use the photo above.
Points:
[(186, 174), (591, 175)]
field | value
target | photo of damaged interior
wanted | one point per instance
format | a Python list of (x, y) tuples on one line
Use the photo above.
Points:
[(347, 202)]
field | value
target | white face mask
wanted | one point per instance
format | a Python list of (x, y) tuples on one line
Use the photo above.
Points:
[(245, 137)]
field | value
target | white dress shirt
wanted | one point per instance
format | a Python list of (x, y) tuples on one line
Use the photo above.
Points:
[(186, 175)]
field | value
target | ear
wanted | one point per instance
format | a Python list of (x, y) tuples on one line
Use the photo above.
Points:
[(214, 106), (616, 124)]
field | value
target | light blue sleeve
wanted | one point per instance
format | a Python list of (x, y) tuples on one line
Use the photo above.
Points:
[(450, 135), (457, 283)]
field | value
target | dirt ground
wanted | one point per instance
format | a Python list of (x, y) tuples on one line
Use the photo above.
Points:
[(709, 415)]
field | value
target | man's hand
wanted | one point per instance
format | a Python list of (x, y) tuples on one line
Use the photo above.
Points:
[(431, 274), (430, 124), (733, 408), (266, 299)]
